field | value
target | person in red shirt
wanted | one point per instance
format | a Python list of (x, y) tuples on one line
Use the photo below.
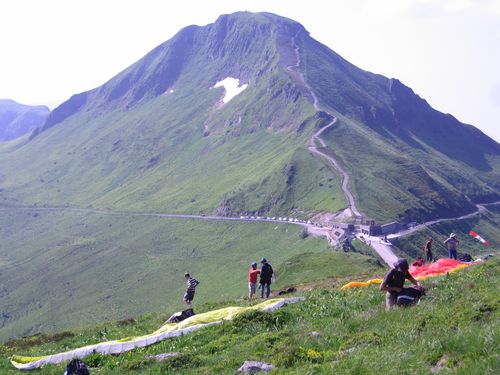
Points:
[(252, 279)]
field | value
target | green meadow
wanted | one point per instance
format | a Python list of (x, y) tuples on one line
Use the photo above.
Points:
[(73, 268), (453, 330)]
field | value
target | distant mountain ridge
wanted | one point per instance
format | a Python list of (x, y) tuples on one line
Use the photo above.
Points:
[(425, 163), (17, 119)]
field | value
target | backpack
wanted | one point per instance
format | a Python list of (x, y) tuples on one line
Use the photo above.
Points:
[(464, 257), (76, 367), (409, 296), (180, 316)]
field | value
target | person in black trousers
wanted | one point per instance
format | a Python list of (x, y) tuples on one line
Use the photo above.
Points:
[(266, 274)]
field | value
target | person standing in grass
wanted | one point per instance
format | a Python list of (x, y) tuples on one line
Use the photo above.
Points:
[(266, 274), (394, 282), (192, 283), (452, 244), (252, 279), (428, 251)]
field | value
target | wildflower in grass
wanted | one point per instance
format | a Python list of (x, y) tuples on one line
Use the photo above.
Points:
[(313, 354)]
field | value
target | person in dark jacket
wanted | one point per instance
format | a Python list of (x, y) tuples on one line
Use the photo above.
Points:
[(394, 282), (428, 251), (266, 274)]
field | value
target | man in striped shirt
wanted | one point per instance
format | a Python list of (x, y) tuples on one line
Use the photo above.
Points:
[(191, 285)]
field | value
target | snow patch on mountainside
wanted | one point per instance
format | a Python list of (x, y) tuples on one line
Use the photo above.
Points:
[(232, 87)]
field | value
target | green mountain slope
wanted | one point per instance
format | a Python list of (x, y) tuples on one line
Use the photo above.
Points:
[(157, 136), (454, 330), (485, 224), (132, 144), (416, 162)]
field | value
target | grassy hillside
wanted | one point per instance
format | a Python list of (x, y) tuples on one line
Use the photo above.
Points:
[(392, 182), (387, 184), (137, 145), (73, 268), (454, 330), (180, 152)]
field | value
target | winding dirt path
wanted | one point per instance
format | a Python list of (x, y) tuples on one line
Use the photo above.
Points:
[(314, 150), (383, 249), (316, 137)]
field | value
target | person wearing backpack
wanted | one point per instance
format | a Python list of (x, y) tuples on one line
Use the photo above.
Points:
[(266, 274), (394, 282)]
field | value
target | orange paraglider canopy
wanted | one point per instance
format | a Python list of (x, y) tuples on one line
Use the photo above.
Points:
[(440, 267)]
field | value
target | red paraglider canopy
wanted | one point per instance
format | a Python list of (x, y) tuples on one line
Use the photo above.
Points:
[(439, 267)]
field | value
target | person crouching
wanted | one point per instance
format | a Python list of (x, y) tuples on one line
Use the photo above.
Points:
[(394, 281)]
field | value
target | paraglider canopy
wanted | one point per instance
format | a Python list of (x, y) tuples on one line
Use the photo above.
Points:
[(478, 237)]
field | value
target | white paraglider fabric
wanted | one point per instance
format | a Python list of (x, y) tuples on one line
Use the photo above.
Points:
[(166, 331)]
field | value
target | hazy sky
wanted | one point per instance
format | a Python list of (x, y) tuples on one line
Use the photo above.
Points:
[(448, 51)]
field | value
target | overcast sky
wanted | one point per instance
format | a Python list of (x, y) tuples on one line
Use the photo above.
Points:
[(448, 51)]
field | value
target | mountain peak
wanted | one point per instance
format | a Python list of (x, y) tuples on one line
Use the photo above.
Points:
[(289, 80), (239, 45)]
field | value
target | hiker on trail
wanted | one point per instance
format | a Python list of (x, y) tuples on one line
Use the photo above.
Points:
[(428, 251), (452, 244), (266, 274), (252, 279), (394, 281), (192, 283)]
